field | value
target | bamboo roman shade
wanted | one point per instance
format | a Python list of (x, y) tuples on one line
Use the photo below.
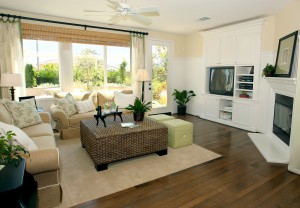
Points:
[(61, 34)]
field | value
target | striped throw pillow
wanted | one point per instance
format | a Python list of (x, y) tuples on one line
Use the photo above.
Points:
[(84, 106)]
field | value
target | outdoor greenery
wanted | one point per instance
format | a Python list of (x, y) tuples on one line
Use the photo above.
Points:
[(88, 73), (9, 152), (159, 73)]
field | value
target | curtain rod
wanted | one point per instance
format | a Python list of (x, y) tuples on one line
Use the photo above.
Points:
[(69, 23)]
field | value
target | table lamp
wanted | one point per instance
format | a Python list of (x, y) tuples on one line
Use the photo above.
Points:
[(11, 80), (143, 76)]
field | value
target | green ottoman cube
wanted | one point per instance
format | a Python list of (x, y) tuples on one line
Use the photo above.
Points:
[(180, 133), (161, 117)]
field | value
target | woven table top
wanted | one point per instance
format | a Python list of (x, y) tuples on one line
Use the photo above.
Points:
[(114, 127)]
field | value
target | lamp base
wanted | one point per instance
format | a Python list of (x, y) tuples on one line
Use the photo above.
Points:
[(12, 90)]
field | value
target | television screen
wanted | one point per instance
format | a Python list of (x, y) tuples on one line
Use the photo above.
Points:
[(221, 81)]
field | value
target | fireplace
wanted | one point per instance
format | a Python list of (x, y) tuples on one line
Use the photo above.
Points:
[(274, 143), (283, 117)]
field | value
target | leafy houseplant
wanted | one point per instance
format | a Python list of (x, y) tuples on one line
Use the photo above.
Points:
[(182, 98), (268, 71), (139, 108), (10, 153)]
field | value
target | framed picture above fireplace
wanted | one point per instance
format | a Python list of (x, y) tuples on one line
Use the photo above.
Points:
[(285, 55)]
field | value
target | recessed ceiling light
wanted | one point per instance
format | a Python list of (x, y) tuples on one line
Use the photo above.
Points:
[(202, 19)]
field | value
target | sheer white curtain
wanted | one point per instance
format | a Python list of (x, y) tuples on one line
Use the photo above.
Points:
[(137, 60), (11, 55)]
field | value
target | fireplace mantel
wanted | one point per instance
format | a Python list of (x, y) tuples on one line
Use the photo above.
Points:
[(283, 85)]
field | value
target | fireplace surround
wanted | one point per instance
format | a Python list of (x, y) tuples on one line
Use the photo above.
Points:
[(274, 149)]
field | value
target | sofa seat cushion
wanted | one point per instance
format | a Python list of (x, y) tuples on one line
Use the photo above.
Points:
[(44, 142), (43, 129), (75, 119)]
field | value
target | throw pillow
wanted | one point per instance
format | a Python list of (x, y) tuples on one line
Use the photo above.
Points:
[(70, 97), (123, 100), (67, 105), (85, 106), (23, 114), (30, 102), (20, 137)]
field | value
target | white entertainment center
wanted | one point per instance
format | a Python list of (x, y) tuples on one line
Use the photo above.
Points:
[(238, 47)]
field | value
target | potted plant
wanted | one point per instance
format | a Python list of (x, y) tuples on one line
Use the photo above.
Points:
[(107, 108), (11, 153), (182, 98), (139, 108), (113, 106), (268, 71)]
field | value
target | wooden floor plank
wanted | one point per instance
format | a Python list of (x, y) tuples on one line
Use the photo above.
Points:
[(240, 178)]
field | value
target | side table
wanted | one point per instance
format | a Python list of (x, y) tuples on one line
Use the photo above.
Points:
[(17, 187)]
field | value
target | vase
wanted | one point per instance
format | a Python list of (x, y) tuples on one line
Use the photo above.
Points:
[(138, 116), (181, 109)]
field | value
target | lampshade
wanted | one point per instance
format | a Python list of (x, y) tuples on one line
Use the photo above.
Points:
[(11, 80), (143, 75)]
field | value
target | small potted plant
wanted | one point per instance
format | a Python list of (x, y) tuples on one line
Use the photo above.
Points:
[(182, 98), (113, 106), (11, 153), (107, 108), (268, 71), (139, 108)]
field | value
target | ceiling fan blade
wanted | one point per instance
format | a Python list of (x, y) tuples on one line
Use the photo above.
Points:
[(96, 11), (148, 11), (115, 3), (140, 19), (115, 19)]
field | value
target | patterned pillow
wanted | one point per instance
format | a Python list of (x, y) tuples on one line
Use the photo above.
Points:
[(23, 114), (67, 105), (85, 106)]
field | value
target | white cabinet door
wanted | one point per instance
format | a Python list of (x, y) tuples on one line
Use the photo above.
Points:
[(211, 107), (244, 114), (227, 49), (212, 52), (245, 48)]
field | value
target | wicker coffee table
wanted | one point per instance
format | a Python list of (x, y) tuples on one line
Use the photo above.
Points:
[(114, 143)]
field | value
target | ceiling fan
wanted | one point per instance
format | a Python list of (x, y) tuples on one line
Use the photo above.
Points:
[(123, 11)]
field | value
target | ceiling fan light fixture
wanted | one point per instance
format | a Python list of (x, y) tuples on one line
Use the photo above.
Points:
[(202, 19)]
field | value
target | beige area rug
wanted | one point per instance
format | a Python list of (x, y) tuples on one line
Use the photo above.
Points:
[(81, 182)]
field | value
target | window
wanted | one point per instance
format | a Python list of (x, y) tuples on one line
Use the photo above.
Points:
[(100, 59), (41, 65), (101, 67)]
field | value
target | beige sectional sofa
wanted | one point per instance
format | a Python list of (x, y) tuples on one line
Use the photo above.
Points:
[(43, 163), (69, 127)]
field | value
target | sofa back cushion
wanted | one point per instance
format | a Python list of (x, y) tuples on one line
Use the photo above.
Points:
[(123, 100), (78, 96), (104, 97), (23, 114), (5, 116)]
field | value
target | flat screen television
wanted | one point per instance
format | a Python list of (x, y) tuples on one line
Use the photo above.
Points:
[(221, 80)]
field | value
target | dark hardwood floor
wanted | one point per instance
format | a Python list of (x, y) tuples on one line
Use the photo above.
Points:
[(241, 178)]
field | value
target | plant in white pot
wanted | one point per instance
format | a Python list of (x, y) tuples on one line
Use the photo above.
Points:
[(182, 98), (139, 108), (11, 153)]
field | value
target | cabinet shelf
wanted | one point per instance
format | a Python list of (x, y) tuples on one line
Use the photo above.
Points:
[(229, 111), (244, 90), (245, 75), (240, 82)]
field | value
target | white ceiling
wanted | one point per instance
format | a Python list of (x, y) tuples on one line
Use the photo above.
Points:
[(175, 16)]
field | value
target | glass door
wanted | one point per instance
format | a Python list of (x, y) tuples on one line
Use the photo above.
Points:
[(159, 65)]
